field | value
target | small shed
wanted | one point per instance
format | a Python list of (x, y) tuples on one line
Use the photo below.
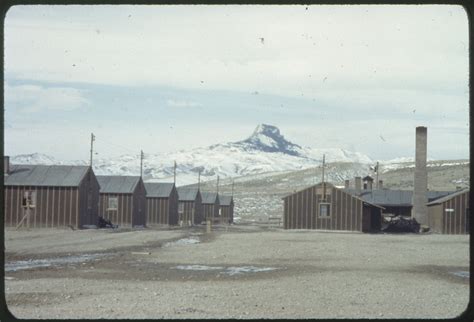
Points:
[(226, 204), (161, 203), (323, 206), (58, 195), (123, 200), (210, 206), (367, 182), (189, 205), (450, 214)]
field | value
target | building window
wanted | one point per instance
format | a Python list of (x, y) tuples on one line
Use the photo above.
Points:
[(181, 207), (29, 199), (324, 210), (113, 203)]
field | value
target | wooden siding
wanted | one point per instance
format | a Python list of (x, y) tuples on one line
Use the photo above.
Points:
[(131, 208), (139, 205), (88, 200), (227, 214), (192, 209), (210, 211), (120, 216), (162, 211), (157, 211), (55, 206), (301, 210), (450, 222), (48, 212), (188, 213)]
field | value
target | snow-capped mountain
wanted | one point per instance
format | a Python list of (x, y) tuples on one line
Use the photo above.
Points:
[(266, 150), (34, 158), (266, 138)]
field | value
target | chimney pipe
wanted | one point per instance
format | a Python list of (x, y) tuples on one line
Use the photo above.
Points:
[(346, 184), (6, 165), (358, 184), (420, 210), (380, 184)]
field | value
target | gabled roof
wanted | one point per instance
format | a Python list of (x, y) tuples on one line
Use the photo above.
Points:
[(448, 197), (158, 189), (367, 178), (209, 197), (117, 184), (187, 194), (46, 175), (330, 185), (397, 198), (225, 200)]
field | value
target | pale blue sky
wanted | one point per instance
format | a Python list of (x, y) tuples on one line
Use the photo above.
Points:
[(161, 78)]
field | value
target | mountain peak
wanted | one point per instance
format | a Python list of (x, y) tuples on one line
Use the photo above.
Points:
[(267, 138)]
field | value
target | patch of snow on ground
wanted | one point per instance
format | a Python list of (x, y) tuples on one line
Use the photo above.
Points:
[(246, 269), (197, 267), (232, 270), (464, 274), (183, 241), (34, 263)]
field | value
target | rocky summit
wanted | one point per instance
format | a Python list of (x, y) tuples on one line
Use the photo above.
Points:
[(267, 138)]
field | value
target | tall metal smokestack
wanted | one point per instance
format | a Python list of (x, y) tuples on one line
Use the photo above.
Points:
[(358, 184), (420, 210)]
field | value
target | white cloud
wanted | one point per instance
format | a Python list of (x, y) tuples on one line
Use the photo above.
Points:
[(404, 65), (182, 103), (33, 98), (219, 47)]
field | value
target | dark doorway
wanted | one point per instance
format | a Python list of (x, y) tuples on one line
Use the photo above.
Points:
[(375, 220)]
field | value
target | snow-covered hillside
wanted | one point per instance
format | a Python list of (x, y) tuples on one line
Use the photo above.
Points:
[(33, 158), (265, 150)]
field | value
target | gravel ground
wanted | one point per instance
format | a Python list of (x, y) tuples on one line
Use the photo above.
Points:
[(245, 271)]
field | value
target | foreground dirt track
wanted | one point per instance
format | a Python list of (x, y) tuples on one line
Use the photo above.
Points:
[(156, 273)]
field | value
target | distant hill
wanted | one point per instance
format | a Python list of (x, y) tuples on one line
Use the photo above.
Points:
[(259, 196), (265, 150)]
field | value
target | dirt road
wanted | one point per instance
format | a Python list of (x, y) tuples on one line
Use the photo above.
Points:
[(244, 272)]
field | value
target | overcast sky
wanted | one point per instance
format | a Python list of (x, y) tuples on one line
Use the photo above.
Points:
[(162, 78)]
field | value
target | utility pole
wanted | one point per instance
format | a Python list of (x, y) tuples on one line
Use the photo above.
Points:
[(141, 163), (377, 175), (199, 179), (89, 193), (174, 180), (324, 184), (92, 146), (232, 194), (324, 156)]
